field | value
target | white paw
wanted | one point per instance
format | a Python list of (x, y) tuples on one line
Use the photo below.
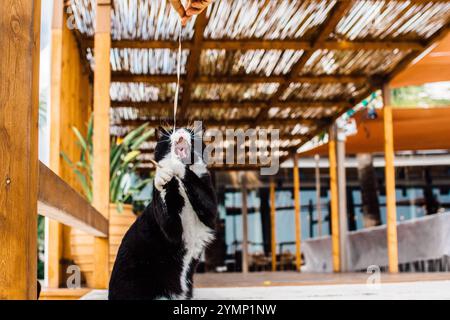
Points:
[(175, 164), (162, 176)]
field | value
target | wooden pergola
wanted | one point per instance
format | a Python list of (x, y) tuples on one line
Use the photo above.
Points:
[(295, 66), (280, 64)]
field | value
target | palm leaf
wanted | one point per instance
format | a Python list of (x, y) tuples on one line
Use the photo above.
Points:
[(129, 138), (139, 141), (82, 142)]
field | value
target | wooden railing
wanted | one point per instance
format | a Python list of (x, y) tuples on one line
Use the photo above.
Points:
[(58, 201)]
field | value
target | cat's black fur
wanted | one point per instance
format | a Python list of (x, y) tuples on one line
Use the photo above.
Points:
[(151, 257)]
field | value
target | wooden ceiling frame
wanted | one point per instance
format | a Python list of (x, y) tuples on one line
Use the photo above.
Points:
[(322, 41), (377, 84), (231, 123), (261, 44), (236, 79), (293, 104)]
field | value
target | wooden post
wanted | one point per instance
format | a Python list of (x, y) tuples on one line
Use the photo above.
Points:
[(102, 78), (55, 229), (342, 200), (244, 224), (334, 200), (318, 201), (273, 239), (19, 96), (391, 210), (297, 213)]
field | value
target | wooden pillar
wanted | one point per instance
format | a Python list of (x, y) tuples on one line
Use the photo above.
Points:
[(334, 200), (55, 229), (19, 96), (273, 244), (318, 201), (391, 210), (100, 179), (244, 224), (297, 213), (342, 200)]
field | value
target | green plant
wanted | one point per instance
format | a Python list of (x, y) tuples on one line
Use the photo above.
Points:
[(41, 247), (123, 160)]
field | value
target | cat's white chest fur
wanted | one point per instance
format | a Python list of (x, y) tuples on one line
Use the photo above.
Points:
[(195, 235)]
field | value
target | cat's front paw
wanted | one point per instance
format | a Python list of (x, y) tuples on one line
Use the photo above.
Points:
[(162, 176), (178, 168)]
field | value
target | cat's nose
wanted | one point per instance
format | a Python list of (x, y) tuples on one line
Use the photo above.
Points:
[(180, 140)]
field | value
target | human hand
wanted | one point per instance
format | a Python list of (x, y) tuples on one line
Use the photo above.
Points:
[(194, 7)]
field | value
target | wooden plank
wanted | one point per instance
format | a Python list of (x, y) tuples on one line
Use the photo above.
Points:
[(237, 79), (55, 229), (58, 201), (193, 63), (391, 210), (101, 144), (273, 239), (297, 213), (335, 250), (19, 96)]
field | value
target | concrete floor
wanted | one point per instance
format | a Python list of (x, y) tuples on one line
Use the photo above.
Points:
[(295, 286), (391, 291)]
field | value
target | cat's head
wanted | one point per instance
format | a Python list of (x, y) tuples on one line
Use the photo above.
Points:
[(179, 143)]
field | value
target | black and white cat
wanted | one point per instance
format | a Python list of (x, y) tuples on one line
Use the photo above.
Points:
[(159, 253)]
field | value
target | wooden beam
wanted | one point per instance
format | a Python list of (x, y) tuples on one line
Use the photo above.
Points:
[(273, 221), (391, 210), (244, 224), (19, 96), (233, 104), (54, 243), (102, 75), (119, 76), (236, 123), (297, 213), (335, 249), (318, 197), (238, 79), (67, 206), (193, 63), (262, 44)]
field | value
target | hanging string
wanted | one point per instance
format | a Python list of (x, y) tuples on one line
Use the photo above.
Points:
[(177, 89)]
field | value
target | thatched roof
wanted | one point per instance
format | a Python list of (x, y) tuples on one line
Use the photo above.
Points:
[(294, 65)]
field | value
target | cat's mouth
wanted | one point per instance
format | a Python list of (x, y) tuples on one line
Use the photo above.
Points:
[(182, 148)]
